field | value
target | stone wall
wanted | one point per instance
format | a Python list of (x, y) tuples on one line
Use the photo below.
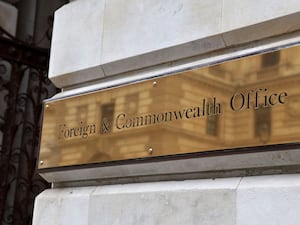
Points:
[(116, 36), (232, 201), (98, 43)]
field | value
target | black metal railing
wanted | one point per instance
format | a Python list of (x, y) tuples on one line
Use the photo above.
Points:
[(23, 86)]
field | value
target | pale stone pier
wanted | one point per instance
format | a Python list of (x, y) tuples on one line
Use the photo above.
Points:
[(100, 44)]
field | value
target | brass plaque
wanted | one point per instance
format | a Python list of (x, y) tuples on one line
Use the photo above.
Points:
[(253, 101)]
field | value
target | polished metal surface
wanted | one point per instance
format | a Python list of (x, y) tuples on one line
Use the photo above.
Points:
[(253, 101)]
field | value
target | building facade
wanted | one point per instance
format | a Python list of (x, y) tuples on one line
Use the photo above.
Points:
[(218, 55), (25, 34)]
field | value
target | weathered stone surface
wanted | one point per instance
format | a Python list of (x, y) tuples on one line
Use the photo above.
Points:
[(63, 206), (8, 17), (77, 43), (233, 201), (93, 39), (166, 203), (238, 14), (269, 200)]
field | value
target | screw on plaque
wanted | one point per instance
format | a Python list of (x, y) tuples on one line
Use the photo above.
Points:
[(150, 150), (154, 84)]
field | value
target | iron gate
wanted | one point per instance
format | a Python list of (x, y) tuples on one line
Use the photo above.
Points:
[(23, 86)]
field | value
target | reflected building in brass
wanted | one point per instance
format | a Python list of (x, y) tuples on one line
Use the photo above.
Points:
[(252, 101)]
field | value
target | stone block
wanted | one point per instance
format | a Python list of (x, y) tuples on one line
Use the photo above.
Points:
[(157, 32), (8, 17), (77, 43), (260, 31), (166, 203), (269, 200), (93, 39), (63, 206), (238, 14), (134, 27), (258, 200), (164, 55)]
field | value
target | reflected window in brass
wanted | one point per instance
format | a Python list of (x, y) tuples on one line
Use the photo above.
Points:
[(293, 110), (131, 103), (270, 59), (212, 121), (218, 71), (107, 115), (263, 123), (82, 112), (212, 125)]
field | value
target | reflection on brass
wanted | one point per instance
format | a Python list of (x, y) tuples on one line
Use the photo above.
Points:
[(150, 150), (252, 101)]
